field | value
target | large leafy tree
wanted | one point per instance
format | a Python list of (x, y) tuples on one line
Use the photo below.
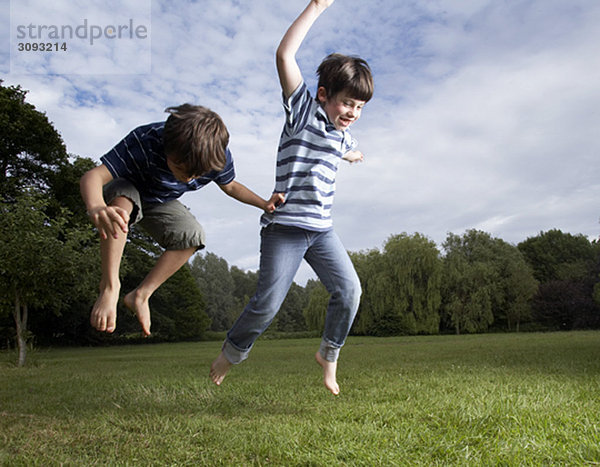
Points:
[(555, 255), (519, 287), (414, 265), (568, 268), (485, 280), (43, 265), (71, 325), (468, 288), (31, 149), (33, 161), (401, 287)]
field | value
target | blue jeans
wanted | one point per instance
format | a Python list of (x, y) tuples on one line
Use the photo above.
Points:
[(281, 252)]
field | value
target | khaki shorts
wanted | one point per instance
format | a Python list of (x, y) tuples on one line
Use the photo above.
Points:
[(171, 224)]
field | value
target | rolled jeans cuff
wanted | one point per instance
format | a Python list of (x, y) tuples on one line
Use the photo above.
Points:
[(233, 354), (328, 351)]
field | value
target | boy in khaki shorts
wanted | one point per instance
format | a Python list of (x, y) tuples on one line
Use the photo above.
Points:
[(140, 180)]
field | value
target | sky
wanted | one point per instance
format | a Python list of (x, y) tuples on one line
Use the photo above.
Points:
[(485, 113)]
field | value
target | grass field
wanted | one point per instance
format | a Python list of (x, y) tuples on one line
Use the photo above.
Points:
[(508, 399)]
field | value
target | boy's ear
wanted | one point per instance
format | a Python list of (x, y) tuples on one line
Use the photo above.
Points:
[(322, 94)]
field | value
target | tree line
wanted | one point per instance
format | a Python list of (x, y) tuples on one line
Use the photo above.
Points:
[(49, 267)]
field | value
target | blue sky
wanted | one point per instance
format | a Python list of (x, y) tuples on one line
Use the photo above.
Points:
[(485, 113)]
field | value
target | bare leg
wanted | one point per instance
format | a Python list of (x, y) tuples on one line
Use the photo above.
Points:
[(104, 312), (329, 374), (167, 265), (219, 369)]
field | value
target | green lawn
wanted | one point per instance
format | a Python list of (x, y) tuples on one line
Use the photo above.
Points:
[(509, 399)]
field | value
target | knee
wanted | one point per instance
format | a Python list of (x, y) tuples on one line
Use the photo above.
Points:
[(123, 202), (350, 292), (265, 305)]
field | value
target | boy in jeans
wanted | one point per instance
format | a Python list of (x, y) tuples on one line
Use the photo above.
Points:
[(314, 140), (140, 180)]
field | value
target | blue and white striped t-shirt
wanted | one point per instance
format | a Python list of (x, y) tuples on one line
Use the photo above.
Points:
[(140, 158), (309, 153)]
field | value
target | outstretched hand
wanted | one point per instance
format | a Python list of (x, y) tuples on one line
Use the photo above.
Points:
[(353, 156), (109, 220), (323, 3)]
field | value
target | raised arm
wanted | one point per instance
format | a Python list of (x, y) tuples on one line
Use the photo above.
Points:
[(290, 76)]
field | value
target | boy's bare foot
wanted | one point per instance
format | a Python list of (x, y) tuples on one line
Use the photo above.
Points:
[(104, 312), (139, 305), (219, 369), (329, 373)]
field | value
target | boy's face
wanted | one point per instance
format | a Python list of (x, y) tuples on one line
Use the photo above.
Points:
[(341, 109), (178, 172)]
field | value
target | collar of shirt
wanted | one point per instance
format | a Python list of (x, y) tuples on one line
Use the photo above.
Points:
[(322, 115), (343, 135)]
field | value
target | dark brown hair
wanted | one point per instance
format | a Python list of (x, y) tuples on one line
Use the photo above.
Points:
[(339, 72), (196, 139)]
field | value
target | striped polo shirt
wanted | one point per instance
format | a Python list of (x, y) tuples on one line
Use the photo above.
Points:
[(140, 158), (309, 153)]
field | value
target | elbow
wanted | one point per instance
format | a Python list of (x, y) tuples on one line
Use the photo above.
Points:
[(279, 53), (227, 189), (279, 61), (95, 178), (89, 177), (282, 57), (84, 181)]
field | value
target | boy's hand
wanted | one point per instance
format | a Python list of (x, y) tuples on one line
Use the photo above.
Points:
[(109, 220), (323, 3), (276, 200), (353, 156)]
